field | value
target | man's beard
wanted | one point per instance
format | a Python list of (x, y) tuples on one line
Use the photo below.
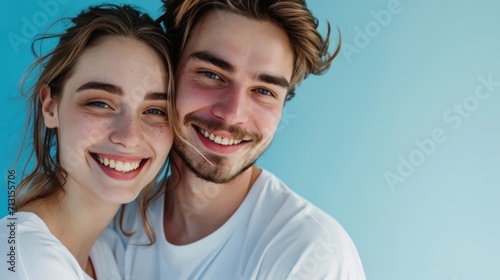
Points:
[(210, 167)]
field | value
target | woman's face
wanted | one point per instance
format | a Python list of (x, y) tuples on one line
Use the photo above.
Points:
[(111, 120)]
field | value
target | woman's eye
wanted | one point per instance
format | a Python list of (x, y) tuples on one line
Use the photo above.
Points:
[(155, 112), (98, 104), (211, 75)]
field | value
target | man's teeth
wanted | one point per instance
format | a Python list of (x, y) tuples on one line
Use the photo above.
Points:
[(219, 140), (118, 165)]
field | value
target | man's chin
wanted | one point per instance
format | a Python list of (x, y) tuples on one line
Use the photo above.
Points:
[(213, 168), (216, 174), (215, 171)]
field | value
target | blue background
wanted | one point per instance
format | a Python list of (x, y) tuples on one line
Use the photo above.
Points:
[(398, 80)]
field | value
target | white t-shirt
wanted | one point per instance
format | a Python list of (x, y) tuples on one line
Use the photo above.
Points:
[(274, 234), (37, 254)]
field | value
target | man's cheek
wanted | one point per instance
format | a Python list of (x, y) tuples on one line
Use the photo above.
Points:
[(269, 128)]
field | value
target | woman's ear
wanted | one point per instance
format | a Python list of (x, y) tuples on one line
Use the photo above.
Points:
[(49, 108)]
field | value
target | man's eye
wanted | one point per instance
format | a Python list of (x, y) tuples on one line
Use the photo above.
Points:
[(211, 75), (264, 91)]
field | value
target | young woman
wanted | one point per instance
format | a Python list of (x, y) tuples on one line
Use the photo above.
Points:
[(99, 114)]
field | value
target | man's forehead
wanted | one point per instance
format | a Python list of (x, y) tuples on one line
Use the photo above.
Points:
[(220, 22), (218, 30)]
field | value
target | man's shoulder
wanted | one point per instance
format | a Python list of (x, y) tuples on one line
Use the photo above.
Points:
[(293, 227), (278, 199)]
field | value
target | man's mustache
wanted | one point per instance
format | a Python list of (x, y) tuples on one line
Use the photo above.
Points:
[(211, 125)]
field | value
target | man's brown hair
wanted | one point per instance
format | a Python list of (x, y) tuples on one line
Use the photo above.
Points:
[(310, 49)]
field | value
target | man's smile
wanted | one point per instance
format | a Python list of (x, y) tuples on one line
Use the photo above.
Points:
[(218, 139)]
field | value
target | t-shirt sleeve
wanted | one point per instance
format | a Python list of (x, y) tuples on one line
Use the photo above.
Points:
[(322, 258), (328, 257), (34, 252), (311, 251), (41, 259)]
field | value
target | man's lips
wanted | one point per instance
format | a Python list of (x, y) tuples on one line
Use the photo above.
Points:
[(224, 147), (224, 141)]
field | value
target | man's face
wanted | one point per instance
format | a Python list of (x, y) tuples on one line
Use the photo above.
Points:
[(232, 81)]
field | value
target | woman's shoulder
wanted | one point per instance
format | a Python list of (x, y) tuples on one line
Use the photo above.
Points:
[(35, 252), (27, 227)]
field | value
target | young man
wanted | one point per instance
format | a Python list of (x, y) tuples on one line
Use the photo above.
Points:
[(222, 217)]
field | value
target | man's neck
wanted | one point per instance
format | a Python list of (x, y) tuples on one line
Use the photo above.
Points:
[(195, 208)]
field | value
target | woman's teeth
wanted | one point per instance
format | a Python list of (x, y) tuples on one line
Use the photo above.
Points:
[(120, 166)]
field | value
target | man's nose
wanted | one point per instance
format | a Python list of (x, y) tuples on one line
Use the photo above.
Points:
[(232, 106)]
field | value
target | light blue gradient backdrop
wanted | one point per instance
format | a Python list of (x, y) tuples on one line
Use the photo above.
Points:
[(346, 129)]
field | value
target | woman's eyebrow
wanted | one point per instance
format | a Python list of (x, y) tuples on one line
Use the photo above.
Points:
[(114, 89)]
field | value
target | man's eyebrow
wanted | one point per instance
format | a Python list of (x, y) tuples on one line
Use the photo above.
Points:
[(275, 80), (101, 86), (226, 66), (212, 59)]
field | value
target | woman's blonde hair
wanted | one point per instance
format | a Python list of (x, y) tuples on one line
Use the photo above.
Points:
[(92, 24)]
